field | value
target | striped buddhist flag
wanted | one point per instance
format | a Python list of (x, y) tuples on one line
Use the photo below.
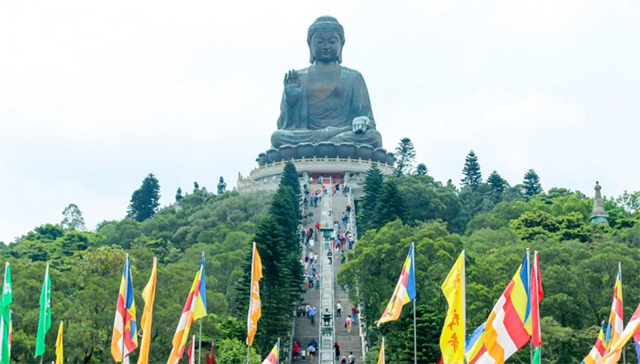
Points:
[(381, 358), (404, 292), (474, 345), (632, 329), (59, 345), (255, 305), (597, 352), (124, 325), (274, 355), (537, 294), (615, 324), (452, 337), (148, 295), (194, 309), (505, 329), (192, 350)]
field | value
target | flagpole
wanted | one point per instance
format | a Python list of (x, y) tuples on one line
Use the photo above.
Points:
[(124, 317), (200, 343), (624, 359), (529, 279), (415, 340), (464, 297)]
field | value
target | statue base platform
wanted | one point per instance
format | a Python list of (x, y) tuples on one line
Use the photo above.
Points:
[(350, 172)]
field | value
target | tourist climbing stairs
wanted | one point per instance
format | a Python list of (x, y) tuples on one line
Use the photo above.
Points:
[(323, 332)]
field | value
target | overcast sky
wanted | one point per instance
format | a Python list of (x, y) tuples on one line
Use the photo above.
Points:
[(96, 95)]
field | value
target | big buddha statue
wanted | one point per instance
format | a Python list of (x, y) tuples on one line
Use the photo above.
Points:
[(325, 102)]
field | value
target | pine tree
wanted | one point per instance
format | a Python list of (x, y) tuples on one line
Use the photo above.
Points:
[(496, 182), (179, 194), (290, 178), (471, 171), (390, 206), (145, 200), (531, 183), (405, 157), (372, 188), (276, 269), (421, 169)]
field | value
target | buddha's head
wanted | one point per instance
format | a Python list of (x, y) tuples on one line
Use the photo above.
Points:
[(325, 39)]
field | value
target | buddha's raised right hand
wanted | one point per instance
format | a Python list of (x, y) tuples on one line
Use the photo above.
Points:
[(292, 88)]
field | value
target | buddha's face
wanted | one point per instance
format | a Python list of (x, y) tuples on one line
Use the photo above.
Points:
[(325, 46)]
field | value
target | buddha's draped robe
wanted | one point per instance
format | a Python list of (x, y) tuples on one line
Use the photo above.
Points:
[(328, 119)]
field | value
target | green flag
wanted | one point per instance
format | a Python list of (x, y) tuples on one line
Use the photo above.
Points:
[(5, 314), (536, 356), (44, 323)]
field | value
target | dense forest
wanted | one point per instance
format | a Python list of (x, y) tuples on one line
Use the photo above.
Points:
[(492, 220)]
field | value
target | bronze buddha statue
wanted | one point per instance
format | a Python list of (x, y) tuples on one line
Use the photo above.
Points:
[(325, 102)]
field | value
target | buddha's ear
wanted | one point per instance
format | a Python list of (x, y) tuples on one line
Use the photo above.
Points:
[(311, 57), (340, 53)]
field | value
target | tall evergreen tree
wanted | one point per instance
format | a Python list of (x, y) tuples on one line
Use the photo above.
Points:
[(290, 178), (179, 194), (276, 269), (405, 157), (390, 206), (372, 188), (471, 171), (421, 169), (145, 200), (531, 183), (496, 182)]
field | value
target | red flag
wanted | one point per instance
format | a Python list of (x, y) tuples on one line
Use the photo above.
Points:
[(536, 297), (210, 358), (191, 353)]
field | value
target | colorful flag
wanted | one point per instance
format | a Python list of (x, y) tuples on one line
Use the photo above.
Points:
[(474, 345), (60, 346), (125, 334), (44, 323), (274, 355), (537, 294), (5, 315), (255, 305), (453, 332), (505, 328), (192, 350), (632, 329), (210, 358), (148, 295), (404, 293), (597, 352), (616, 317), (194, 309), (381, 357)]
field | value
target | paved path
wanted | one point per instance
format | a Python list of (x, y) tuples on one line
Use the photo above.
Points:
[(304, 331)]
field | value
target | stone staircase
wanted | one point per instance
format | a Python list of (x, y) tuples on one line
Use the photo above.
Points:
[(304, 331)]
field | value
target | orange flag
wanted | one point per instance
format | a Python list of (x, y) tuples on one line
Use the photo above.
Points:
[(148, 295), (255, 310)]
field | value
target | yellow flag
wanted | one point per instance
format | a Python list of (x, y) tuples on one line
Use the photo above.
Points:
[(59, 346), (381, 358), (453, 332), (148, 295), (255, 310)]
